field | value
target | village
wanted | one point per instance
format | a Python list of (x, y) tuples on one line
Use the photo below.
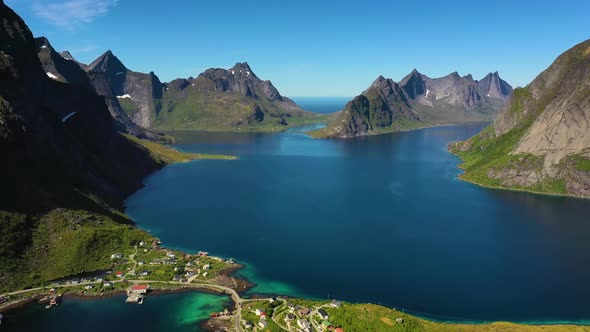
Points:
[(147, 267)]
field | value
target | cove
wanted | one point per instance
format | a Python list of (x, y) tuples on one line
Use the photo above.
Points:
[(380, 219), (179, 312)]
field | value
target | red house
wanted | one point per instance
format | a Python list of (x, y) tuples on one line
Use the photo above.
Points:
[(139, 289)]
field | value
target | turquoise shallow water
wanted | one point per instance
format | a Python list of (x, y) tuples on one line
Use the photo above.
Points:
[(180, 312)]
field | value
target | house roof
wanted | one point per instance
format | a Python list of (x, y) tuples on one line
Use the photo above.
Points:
[(139, 287)]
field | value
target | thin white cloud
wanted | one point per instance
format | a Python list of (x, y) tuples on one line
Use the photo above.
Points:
[(73, 13)]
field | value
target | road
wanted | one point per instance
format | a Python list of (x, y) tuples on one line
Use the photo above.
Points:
[(132, 258)]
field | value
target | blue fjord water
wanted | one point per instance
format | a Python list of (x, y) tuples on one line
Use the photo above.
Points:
[(380, 219)]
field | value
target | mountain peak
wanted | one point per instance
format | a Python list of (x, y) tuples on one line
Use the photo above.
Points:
[(67, 55), (42, 42), (107, 63), (413, 84), (242, 69)]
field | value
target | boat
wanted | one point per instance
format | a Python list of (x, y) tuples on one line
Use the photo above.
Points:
[(140, 300)]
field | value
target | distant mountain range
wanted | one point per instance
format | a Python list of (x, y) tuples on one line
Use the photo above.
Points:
[(541, 141), (218, 99), (419, 101)]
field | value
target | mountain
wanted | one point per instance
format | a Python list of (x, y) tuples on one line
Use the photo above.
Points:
[(419, 101), (137, 92), (64, 68), (541, 141), (227, 99), (58, 67), (65, 168)]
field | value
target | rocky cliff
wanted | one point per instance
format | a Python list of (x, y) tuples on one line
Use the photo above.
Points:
[(58, 140), (541, 140), (419, 101), (138, 93)]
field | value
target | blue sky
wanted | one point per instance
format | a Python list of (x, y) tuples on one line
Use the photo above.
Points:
[(315, 47)]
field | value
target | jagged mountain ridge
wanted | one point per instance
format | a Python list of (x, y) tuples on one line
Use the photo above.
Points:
[(218, 99), (541, 140), (419, 101), (63, 67)]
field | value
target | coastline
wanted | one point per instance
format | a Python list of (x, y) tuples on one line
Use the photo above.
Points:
[(385, 132), (461, 177)]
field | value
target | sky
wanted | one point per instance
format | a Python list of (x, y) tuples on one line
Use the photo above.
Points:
[(316, 47)]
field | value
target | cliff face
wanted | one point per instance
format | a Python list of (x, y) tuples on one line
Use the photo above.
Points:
[(63, 67), (544, 133), (141, 91), (58, 140), (419, 101)]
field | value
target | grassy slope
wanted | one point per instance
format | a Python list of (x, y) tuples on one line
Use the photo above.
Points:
[(57, 244), (167, 155), (367, 317), (221, 111)]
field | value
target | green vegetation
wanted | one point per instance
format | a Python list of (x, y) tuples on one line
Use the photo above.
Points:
[(200, 107), (582, 163), (167, 155), (60, 243), (373, 318)]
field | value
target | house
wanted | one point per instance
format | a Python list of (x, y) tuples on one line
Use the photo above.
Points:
[(326, 324), (339, 330), (248, 325), (203, 253), (189, 264), (170, 255), (98, 279), (107, 284), (144, 273), (140, 263), (290, 318), (87, 287), (176, 278), (116, 256), (304, 311), (399, 320), (336, 304), (263, 323), (119, 274), (141, 243), (190, 274), (3, 299), (205, 274), (206, 266), (323, 314), (273, 299), (258, 312), (139, 289), (304, 324)]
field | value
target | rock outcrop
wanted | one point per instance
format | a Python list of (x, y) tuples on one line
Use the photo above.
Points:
[(541, 140)]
